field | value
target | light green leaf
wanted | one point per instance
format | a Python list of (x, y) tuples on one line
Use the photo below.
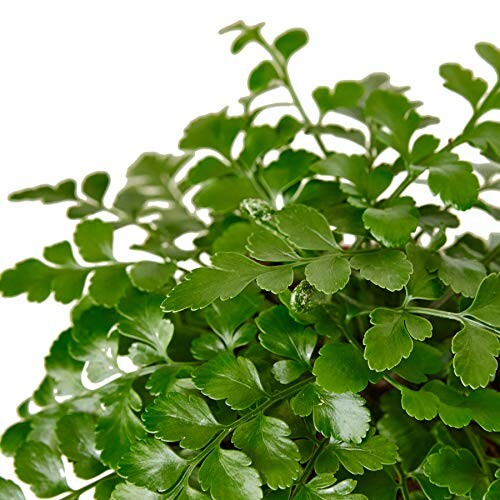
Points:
[(490, 54), (184, 418), (305, 227), (392, 226), (486, 304), (388, 269), (267, 246), (118, 426), (227, 474), (265, 440), (457, 470), (224, 195), (233, 379), (462, 275), (127, 491), (40, 467), (463, 82), (455, 183), (152, 464), (64, 191), (371, 454), (76, 437), (342, 416), (329, 274), (214, 131), (421, 405), (486, 137), (288, 169), (151, 276), (340, 367), (93, 343), (277, 279), (94, 239), (345, 94), (10, 490), (101, 291), (394, 111), (476, 350)]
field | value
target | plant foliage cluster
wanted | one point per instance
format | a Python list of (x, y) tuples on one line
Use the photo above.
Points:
[(294, 365)]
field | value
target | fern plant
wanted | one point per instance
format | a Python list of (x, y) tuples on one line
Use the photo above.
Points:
[(320, 339)]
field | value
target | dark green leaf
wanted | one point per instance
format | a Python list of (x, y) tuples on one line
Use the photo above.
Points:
[(341, 368), (342, 416), (289, 42)]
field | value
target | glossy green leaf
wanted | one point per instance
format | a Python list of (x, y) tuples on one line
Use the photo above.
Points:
[(265, 440), (463, 82), (153, 464), (233, 379), (179, 417), (228, 473), (340, 368), (486, 303)]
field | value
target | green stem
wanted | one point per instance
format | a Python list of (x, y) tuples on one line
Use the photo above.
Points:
[(307, 471), (402, 483), (87, 487), (282, 67), (195, 461), (476, 446)]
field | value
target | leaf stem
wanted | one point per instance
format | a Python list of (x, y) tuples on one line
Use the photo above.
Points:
[(307, 469), (473, 439), (282, 67), (402, 483), (76, 493)]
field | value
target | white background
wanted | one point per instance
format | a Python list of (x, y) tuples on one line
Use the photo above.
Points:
[(89, 85)]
